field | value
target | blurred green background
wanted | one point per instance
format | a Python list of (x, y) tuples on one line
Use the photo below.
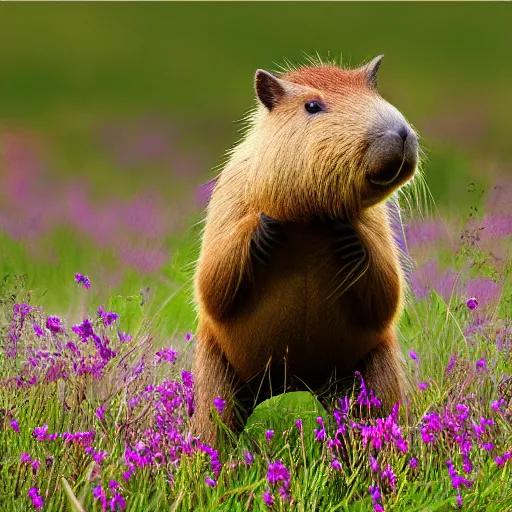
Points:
[(112, 116)]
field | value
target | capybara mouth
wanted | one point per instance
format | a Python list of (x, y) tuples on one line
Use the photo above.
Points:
[(393, 155)]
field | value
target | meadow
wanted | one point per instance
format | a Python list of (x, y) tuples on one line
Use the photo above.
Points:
[(95, 415), (110, 121)]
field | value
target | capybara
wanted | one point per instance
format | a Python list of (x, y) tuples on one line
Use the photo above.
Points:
[(298, 276)]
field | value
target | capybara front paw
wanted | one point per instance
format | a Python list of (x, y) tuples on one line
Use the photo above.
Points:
[(347, 244), (269, 235)]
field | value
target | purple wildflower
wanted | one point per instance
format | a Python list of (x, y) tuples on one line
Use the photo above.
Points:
[(248, 458), (451, 364), (100, 413), (320, 434), (432, 425), (269, 434), (366, 397), (389, 475), (457, 481), (467, 465), (117, 502), (35, 463), (472, 303), (210, 482), (128, 474), (187, 378), (277, 473), (84, 330), (285, 495), (37, 500), (422, 386), (99, 494), (189, 336), (40, 432), (298, 424), (84, 439), (481, 364), (376, 497), (336, 464), (220, 405), (413, 462), (502, 459), (38, 330), (167, 354), (413, 355), (268, 498), (53, 324), (82, 280), (374, 465), (108, 317), (15, 426), (124, 337), (97, 457), (25, 458), (139, 446), (496, 405)]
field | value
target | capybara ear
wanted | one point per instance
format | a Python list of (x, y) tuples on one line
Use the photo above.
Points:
[(371, 69), (269, 88)]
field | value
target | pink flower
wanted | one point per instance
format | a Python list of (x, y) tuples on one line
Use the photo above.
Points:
[(472, 303), (248, 458), (15, 426), (497, 404), (320, 434), (389, 475), (37, 500), (167, 354), (267, 498), (413, 355), (374, 465), (82, 280), (481, 364), (53, 323), (336, 464), (210, 482), (220, 405)]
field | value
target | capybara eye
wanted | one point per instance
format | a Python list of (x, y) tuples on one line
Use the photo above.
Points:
[(313, 107)]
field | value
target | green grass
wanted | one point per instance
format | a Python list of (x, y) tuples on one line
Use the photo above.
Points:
[(430, 327)]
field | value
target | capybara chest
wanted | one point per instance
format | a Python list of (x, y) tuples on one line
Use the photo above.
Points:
[(295, 311)]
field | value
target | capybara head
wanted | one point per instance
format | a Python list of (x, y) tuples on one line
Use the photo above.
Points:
[(324, 142)]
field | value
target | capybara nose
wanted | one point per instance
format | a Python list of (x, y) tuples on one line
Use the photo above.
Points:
[(392, 154)]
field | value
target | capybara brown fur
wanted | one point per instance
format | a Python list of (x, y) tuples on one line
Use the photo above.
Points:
[(298, 276)]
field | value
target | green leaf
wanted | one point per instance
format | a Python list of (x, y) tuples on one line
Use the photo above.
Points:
[(280, 413), (73, 500)]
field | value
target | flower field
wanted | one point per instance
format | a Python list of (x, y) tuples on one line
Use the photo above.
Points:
[(109, 121), (94, 415)]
